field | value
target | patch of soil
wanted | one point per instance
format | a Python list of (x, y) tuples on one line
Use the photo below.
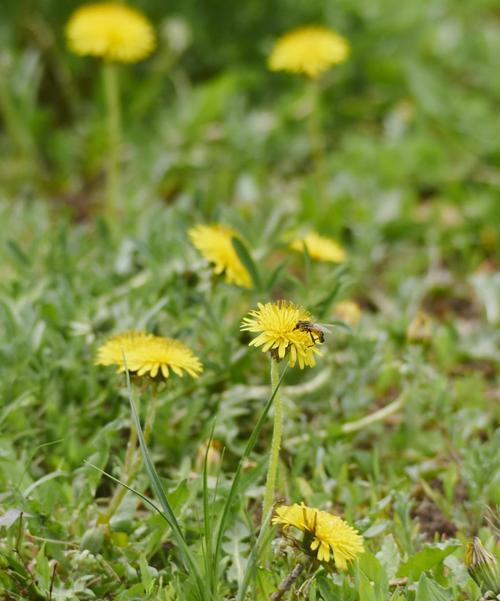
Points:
[(486, 368), (431, 519), (441, 304)]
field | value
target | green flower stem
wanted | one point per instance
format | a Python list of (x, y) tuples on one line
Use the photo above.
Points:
[(316, 134), (287, 583), (14, 121), (272, 470), (111, 90), (130, 469)]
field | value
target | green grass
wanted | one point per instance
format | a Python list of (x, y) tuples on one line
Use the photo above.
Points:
[(410, 189)]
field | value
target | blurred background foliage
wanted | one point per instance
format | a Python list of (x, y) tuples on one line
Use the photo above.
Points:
[(415, 104)]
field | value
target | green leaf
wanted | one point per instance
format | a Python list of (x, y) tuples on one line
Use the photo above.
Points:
[(429, 590), (92, 540), (370, 567), (327, 590), (248, 262), (147, 579), (18, 253), (426, 559), (273, 278), (179, 495), (366, 590), (323, 305), (43, 569), (389, 556)]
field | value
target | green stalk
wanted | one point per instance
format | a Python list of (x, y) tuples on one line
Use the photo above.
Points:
[(111, 91), (221, 528), (131, 469), (272, 470), (13, 120), (316, 135)]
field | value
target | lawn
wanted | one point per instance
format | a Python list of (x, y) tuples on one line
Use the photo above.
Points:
[(178, 223)]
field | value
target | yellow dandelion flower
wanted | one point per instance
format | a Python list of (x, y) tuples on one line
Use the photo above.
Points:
[(215, 243), (348, 311), (144, 353), (112, 31), (308, 50), (326, 534), (276, 324), (320, 247)]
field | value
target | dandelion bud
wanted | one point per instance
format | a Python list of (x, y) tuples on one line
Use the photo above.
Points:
[(212, 451), (420, 329), (482, 567)]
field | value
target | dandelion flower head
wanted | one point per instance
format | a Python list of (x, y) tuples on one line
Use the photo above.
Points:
[(348, 311), (215, 243), (309, 50), (276, 326), (142, 353), (112, 31), (320, 247), (326, 534)]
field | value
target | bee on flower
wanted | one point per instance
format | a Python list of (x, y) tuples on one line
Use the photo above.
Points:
[(285, 330)]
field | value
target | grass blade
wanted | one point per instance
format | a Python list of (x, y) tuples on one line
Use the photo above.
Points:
[(234, 486), (207, 518), (263, 537), (248, 262), (157, 487)]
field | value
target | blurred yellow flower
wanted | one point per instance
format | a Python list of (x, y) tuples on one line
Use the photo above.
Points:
[(144, 353), (212, 451), (276, 324), (420, 328), (309, 50), (112, 31), (348, 311), (332, 538), (320, 247), (215, 243)]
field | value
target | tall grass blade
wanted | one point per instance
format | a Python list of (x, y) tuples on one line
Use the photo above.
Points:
[(248, 262), (207, 519), (236, 480), (262, 539), (156, 485)]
